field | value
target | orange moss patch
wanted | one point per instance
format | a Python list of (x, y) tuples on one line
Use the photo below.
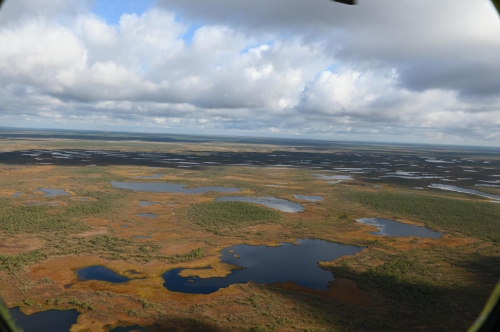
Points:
[(217, 270), (16, 245), (180, 248)]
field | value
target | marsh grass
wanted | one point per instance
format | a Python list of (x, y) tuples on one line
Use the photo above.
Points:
[(16, 262), (40, 218), (425, 286), (115, 248), (216, 214), (104, 246)]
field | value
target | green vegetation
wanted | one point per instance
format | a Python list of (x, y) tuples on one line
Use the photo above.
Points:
[(405, 279), (73, 301), (133, 312), (146, 304), (105, 246), (81, 304), (423, 286), (15, 262), (105, 203), (230, 214), (471, 218), (35, 219), (40, 218), (112, 247)]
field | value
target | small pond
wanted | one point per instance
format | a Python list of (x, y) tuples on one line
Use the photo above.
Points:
[(16, 195), (147, 215), (49, 192), (141, 237), (165, 187), (394, 228), (146, 203), (267, 265), (50, 320), (271, 202), (463, 190), (308, 198), (98, 272)]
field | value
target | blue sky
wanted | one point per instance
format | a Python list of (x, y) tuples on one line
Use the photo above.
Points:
[(112, 10)]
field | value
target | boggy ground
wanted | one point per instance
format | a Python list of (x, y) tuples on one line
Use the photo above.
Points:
[(408, 284)]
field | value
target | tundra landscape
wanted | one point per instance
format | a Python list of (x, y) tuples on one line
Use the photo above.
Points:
[(111, 232)]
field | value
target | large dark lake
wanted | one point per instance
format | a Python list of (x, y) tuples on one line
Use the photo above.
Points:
[(267, 265), (50, 320)]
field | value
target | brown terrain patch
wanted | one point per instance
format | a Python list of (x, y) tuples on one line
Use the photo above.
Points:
[(219, 270), (11, 246), (341, 291), (180, 248)]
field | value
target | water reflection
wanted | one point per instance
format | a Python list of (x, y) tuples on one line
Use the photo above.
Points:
[(463, 190), (271, 202), (166, 187), (50, 192), (308, 198), (395, 228), (147, 215)]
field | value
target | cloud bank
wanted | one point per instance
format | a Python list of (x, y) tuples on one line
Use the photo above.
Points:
[(409, 70)]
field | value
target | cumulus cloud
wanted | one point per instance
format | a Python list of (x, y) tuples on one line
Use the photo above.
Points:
[(418, 70)]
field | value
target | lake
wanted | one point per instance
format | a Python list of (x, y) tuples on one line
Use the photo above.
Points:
[(308, 198), (271, 202), (165, 187), (463, 190), (394, 228), (49, 192), (98, 272), (50, 320), (267, 265), (147, 215)]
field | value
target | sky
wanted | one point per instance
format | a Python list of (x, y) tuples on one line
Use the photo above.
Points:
[(412, 71)]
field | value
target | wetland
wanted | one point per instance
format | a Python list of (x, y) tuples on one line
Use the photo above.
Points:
[(245, 235)]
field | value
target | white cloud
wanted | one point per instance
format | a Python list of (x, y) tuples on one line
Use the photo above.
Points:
[(383, 74)]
